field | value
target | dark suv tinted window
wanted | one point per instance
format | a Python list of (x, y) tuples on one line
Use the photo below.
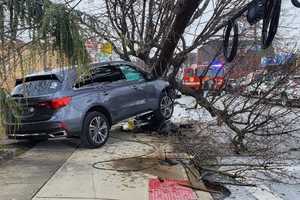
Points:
[(100, 75), (37, 86)]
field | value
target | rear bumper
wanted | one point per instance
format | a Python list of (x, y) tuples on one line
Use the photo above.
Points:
[(36, 129)]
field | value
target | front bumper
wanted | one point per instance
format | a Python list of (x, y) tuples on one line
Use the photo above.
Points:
[(35, 129)]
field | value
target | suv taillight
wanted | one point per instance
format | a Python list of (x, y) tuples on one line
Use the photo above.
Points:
[(56, 103)]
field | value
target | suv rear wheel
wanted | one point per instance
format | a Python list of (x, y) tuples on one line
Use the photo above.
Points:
[(166, 107), (95, 131)]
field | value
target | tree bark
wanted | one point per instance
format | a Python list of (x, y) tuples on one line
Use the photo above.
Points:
[(185, 10)]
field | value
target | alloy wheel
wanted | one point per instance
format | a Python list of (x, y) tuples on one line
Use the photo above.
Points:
[(166, 106), (98, 129)]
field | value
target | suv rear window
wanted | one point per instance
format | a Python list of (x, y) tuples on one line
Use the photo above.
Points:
[(37, 86)]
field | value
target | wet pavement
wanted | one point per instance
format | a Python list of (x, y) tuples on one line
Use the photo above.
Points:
[(22, 177)]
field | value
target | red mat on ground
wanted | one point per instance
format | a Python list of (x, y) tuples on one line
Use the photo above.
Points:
[(170, 190)]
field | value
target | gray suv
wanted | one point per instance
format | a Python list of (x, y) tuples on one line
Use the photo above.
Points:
[(60, 102)]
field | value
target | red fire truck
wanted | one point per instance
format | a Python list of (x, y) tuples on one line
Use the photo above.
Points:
[(195, 76)]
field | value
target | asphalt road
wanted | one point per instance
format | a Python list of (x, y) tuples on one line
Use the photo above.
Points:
[(22, 177)]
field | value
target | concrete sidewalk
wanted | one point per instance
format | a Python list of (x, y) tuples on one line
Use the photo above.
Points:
[(125, 179), (22, 177)]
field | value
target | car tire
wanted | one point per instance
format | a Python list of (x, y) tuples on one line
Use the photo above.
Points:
[(284, 100), (96, 130), (166, 107)]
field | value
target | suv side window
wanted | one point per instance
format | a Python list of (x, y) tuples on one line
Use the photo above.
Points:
[(131, 74), (100, 75)]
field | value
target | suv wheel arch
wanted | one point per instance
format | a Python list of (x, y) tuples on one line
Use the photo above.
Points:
[(101, 109), (168, 90)]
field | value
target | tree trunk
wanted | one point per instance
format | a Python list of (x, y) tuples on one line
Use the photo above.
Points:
[(185, 10)]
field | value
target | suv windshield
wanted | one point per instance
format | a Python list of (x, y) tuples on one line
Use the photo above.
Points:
[(37, 86)]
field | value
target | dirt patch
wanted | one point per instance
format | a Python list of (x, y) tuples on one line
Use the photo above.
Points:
[(151, 166), (127, 164)]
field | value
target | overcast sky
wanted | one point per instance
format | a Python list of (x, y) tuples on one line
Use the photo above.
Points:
[(290, 22)]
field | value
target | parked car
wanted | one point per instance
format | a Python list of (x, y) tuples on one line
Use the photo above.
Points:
[(61, 102)]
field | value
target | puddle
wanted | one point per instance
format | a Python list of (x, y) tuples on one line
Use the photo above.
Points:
[(127, 165), (134, 164), (149, 166)]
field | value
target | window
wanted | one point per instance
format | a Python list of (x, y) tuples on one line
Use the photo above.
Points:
[(98, 75), (131, 74), (37, 86)]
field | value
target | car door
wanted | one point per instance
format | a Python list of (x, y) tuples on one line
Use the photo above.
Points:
[(116, 93), (113, 91), (142, 88)]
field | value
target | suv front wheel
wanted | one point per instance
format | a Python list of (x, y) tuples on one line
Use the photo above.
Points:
[(96, 129), (166, 107)]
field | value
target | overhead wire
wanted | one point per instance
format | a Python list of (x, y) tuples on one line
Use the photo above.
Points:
[(296, 3), (270, 23), (266, 10), (229, 56), (154, 149)]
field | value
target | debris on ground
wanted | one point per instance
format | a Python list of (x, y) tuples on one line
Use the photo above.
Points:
[(169, 162), (199, 137), (147, 124)]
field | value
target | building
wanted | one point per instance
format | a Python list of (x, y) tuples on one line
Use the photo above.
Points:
[(248, 58)]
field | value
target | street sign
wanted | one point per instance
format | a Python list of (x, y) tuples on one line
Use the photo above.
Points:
[(106, 48), (99, 52)]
